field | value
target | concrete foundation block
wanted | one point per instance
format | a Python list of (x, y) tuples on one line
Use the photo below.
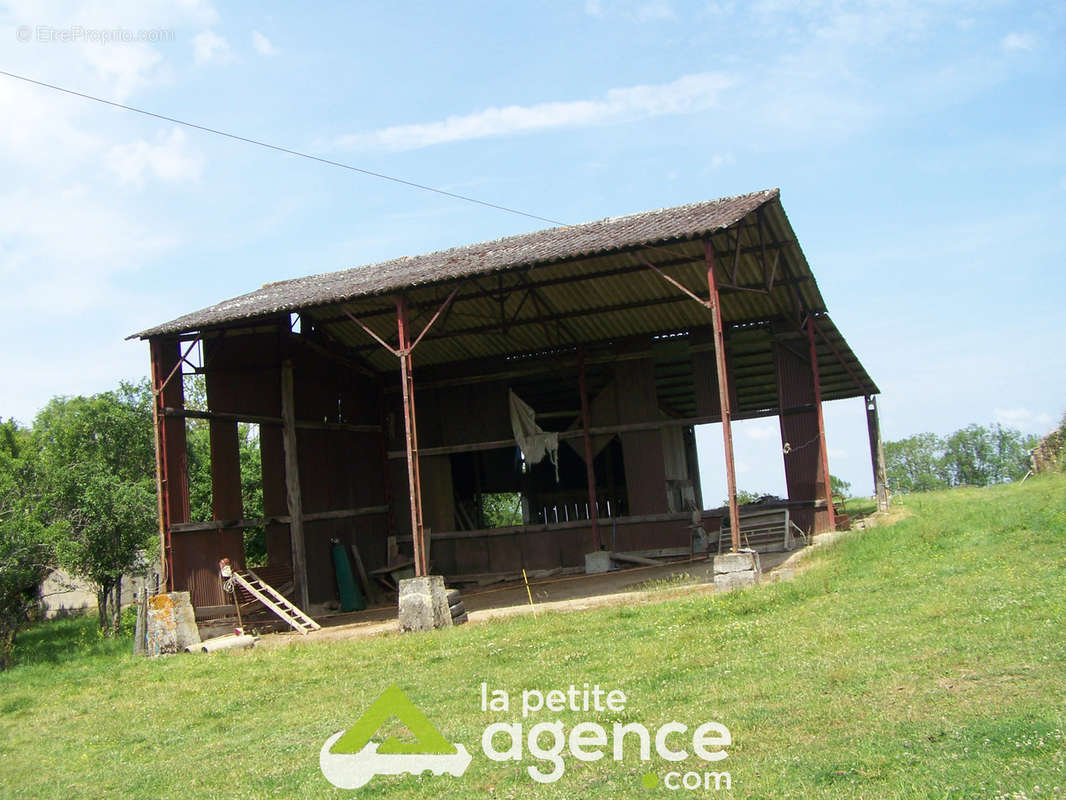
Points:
[(730, 581), (597, 561), (424, 604), (736, 562), (171, 624)]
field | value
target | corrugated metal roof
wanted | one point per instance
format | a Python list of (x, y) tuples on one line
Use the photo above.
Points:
[(528, 249), (579, 284)]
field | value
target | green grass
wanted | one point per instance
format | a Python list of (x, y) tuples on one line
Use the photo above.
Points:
[(922, 659)]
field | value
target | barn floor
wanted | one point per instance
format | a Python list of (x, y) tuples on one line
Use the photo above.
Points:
[(552, 595)]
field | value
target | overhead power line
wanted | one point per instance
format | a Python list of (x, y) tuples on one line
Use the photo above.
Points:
[(280, 149)]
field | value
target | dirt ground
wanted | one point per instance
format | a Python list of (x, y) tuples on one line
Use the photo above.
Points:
[(576, 592)]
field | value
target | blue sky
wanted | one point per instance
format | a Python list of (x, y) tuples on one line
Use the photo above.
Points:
[(920, 149)]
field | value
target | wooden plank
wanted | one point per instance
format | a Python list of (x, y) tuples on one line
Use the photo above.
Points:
[(360, 570), (258, 419), (282, 519), (292, 486), (629, 558)]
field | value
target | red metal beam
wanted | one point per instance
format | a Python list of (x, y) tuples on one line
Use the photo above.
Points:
[(821, 423), (171, 475), (440, 311), (674, 282), (723, 396), (590, 471), (382, 342)]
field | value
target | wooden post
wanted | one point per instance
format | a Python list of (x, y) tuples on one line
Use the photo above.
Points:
[(877, 453), (292, 486), (590, 471), (723, 396), (821, 425)]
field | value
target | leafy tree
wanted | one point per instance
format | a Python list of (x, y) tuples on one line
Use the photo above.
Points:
[(839, 486), (24, 552), (971, 456), (744, 497), (914, 464), (979, 456), (94, 471), (501, 510)]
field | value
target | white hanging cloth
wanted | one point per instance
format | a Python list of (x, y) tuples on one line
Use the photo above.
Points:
[(533, 441)]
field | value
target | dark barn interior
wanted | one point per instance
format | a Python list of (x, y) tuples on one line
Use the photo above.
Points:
[(386, 398)]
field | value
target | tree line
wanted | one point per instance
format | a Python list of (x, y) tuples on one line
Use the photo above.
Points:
[(972, 456)]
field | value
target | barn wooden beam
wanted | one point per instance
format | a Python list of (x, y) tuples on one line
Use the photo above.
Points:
[(256, 419), (292, 486)]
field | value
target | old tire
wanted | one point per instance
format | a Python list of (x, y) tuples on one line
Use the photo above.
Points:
[(453, 596), (457, 609), (459, 620)]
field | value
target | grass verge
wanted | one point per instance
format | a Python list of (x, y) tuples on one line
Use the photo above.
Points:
[(922, 659)]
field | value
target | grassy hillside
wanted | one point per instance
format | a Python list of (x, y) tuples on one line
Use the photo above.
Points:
[(922, 659)]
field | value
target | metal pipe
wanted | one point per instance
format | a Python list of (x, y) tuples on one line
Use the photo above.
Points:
[(590, 472), (723, 396), (414, 481)]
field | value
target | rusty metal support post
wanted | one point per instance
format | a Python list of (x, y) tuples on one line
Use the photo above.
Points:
[(877, 453), (172, 483), (292, 486), (165, 556), (590, 472), (821, 425), (414, 480), (723, 396)]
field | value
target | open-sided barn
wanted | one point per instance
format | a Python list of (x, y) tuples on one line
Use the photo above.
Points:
[(392, 398)]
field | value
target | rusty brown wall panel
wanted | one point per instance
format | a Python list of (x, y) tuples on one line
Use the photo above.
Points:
[(321, 580), (705, 373), (275, 502), (196, 557), (642, 451), (471, 556), (226, 500), (541, 550), (442, 557), (438, 503), (244, 374), (165, 356), (505, 553), (401, 498), (799, 429), (795, 381), (473, 413)]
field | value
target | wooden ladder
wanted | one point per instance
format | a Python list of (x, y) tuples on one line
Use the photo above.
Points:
[(275, 601)]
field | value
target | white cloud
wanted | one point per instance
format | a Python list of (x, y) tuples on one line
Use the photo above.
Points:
[(1015, 41), (1024, 419), (761, 430), (722, 160), (63, 246), (593, 8), (210, 48), (263, 45), (170, 159), (653, 10), (686, 95)]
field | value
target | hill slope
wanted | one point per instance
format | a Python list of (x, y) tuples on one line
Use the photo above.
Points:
[(922, 659)]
